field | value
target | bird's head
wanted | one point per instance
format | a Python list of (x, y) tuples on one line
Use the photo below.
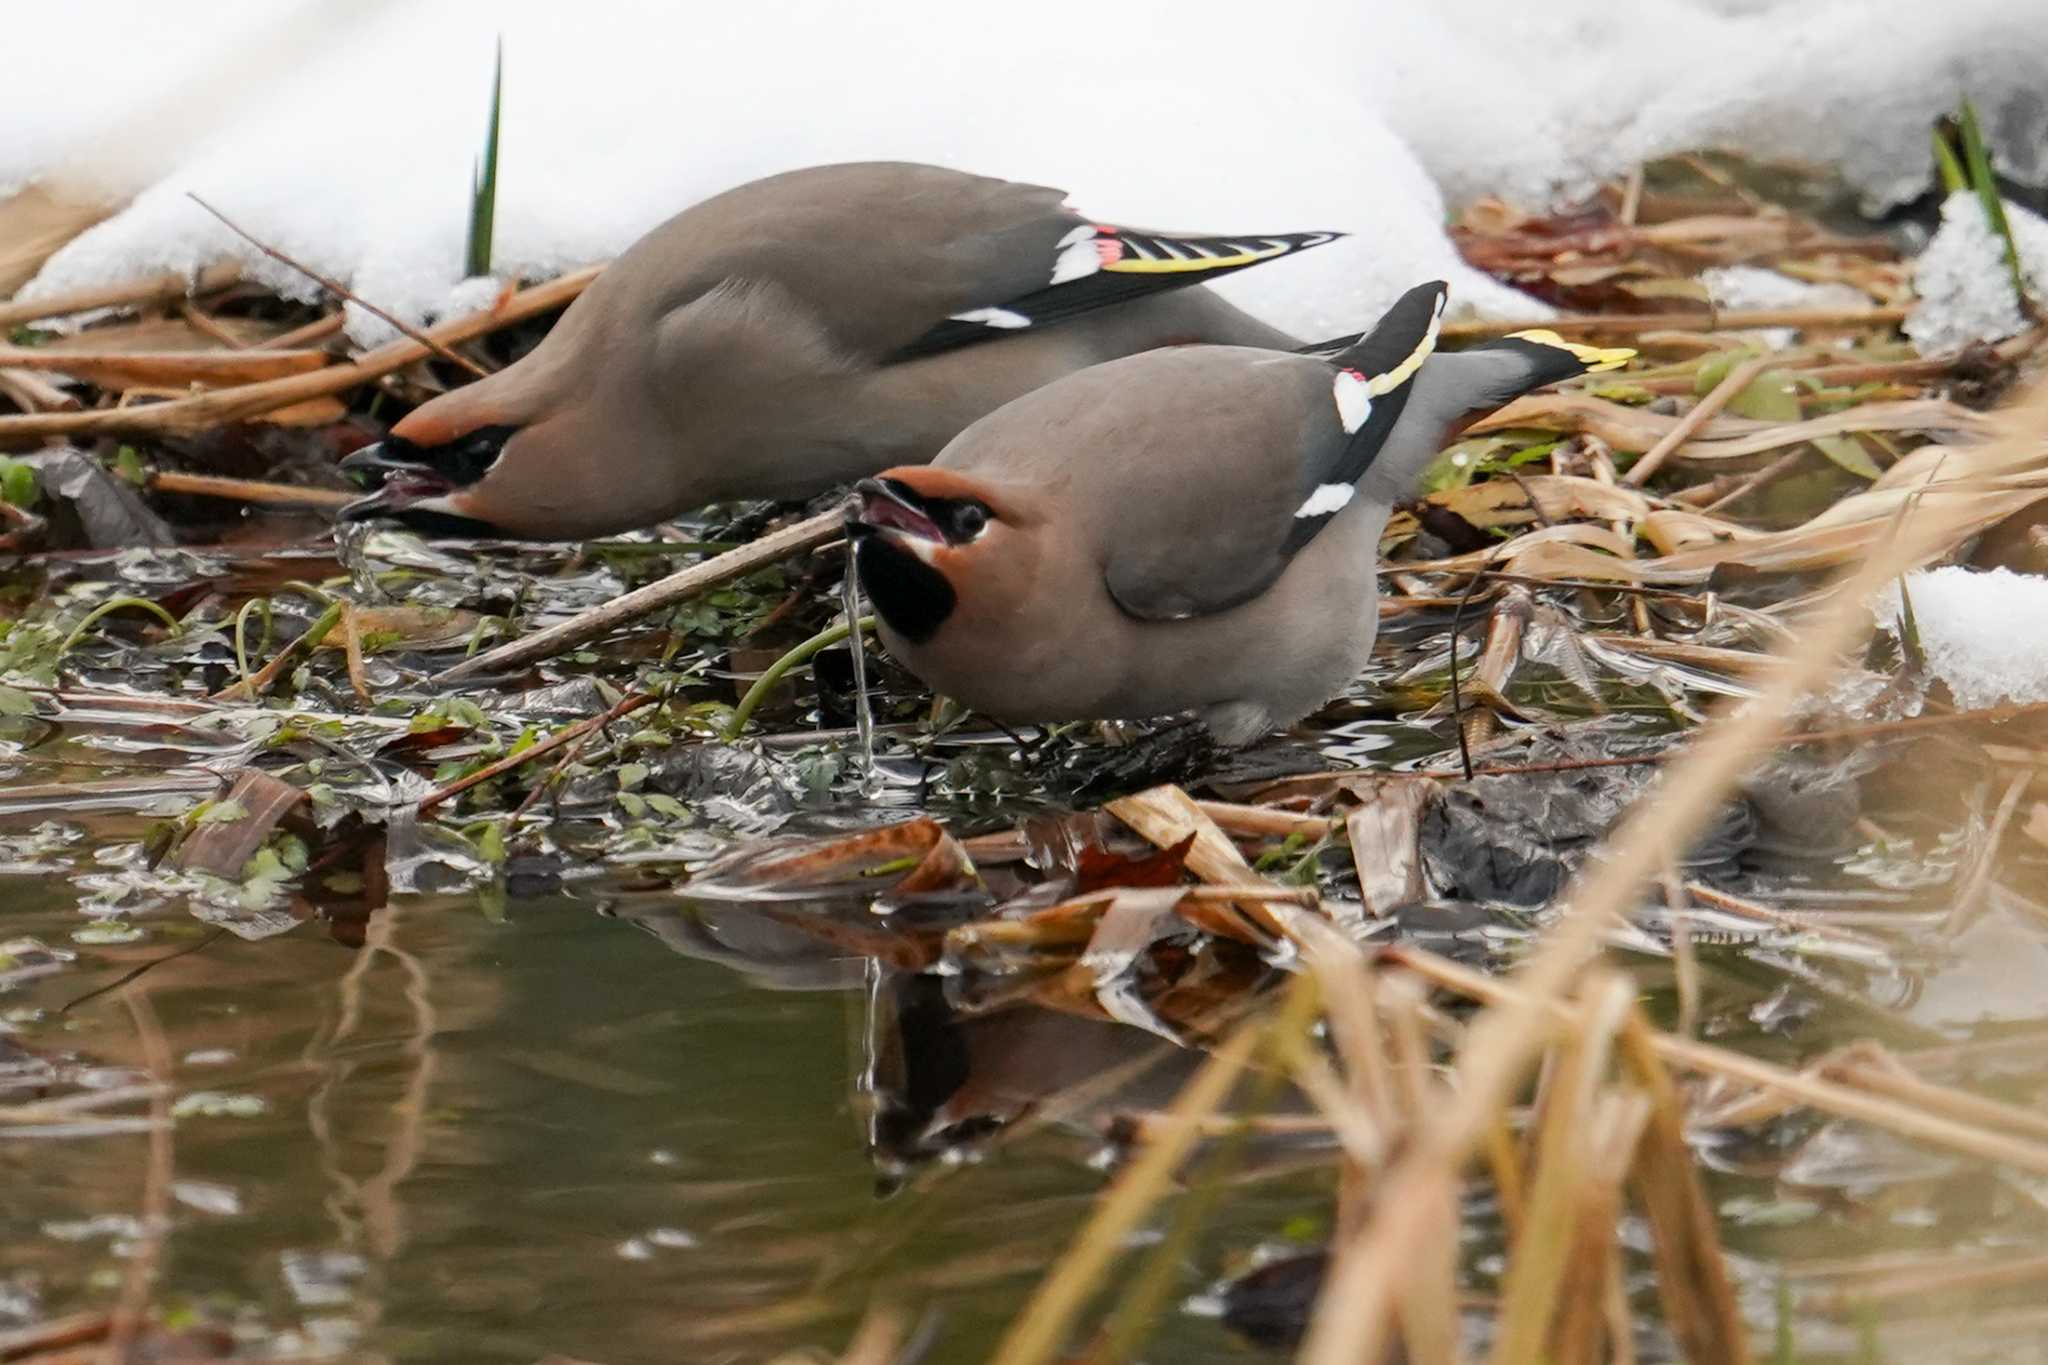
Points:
[(924, 537), (472, 468), (426, 472)]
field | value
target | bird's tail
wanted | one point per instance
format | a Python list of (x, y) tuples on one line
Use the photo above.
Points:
[(1550, 357), (1553, 357)]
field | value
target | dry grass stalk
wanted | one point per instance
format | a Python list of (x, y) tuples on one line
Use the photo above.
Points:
[(1627, 428), (1692, 1273), (342, 291), (1504, 1040), (1632, 324), (1041, 1330), (247, 490), (1558, 1185), (35, 223), (1969, 898), (1945, 1124), (166, 288), (1681, 431), (187, 416), (133, 1305), (125, 369), (1874, 1286), (625, 707), (31, 392), (1260, 821)]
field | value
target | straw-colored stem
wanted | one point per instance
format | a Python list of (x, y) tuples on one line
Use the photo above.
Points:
[(1038, 1333)]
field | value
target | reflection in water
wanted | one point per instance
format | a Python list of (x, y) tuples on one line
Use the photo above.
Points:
[(453, 1125)]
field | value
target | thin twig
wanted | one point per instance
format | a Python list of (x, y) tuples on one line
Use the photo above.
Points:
[(1682, 430), (156, 1190), (340, 290), (1457, 617), (1763, 478), (205, 411), (553, 742), (165, 288), (665, 592), (247, 490)]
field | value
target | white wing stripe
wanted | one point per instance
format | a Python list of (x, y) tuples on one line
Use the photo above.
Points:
[(1328, 498), (993, 317)]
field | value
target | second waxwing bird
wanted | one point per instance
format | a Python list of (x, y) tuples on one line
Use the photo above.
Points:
[(1194, 529), (794, 334)]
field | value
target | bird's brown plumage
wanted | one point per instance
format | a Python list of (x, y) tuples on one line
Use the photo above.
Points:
[(1193, 529), (802, 330)]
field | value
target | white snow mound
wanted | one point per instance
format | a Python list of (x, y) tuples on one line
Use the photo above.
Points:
[(344, 134), (1961, 282), (1985, 633)]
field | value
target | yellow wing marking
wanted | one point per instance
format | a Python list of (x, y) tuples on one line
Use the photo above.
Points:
[(1131, 265)]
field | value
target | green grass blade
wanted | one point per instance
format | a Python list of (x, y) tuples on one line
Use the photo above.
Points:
[(483, 193), (1953, 177), (1977, 160)]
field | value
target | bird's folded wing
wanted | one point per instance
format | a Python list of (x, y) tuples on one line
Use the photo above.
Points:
[(1229, 543)]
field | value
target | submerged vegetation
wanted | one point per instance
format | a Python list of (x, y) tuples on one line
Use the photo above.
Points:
[(1639, 963)]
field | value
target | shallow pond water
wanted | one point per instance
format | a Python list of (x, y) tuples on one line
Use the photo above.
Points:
[(538, 1100)]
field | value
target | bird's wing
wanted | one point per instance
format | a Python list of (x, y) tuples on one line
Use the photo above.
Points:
[(1090, 265), (1226, 541)]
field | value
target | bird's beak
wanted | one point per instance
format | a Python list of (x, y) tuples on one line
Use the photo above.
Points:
[(882, 505), (394, 482), (373, 464)]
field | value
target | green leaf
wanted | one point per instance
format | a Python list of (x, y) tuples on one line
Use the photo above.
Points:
[(220, 813), (128, 465), (667, 806), (631, 775), (1771, 397), (1848, 452), (15, 702), (18, 483), (264, 866), (466, 712), (1708, 375), (1635, 395), (292, 852)]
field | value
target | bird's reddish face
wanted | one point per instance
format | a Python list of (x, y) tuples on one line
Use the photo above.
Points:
[(914, 532)]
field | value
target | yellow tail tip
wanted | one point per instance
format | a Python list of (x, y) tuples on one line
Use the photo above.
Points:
[(1594, 358)]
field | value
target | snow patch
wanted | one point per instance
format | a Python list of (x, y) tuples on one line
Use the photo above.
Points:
[(1962, 285), (1980, 630), (1331, 114)]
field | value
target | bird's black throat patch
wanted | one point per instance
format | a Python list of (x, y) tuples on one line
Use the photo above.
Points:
[(912, 597)]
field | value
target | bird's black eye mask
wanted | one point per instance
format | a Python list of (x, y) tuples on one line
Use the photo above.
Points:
[(911, 595), (893, 505), (456, 464)]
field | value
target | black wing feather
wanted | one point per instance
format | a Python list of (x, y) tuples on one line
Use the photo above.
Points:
[(1173, 581), (1150, 263)]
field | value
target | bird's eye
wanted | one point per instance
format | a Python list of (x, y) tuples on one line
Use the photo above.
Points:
[(969, 520)]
